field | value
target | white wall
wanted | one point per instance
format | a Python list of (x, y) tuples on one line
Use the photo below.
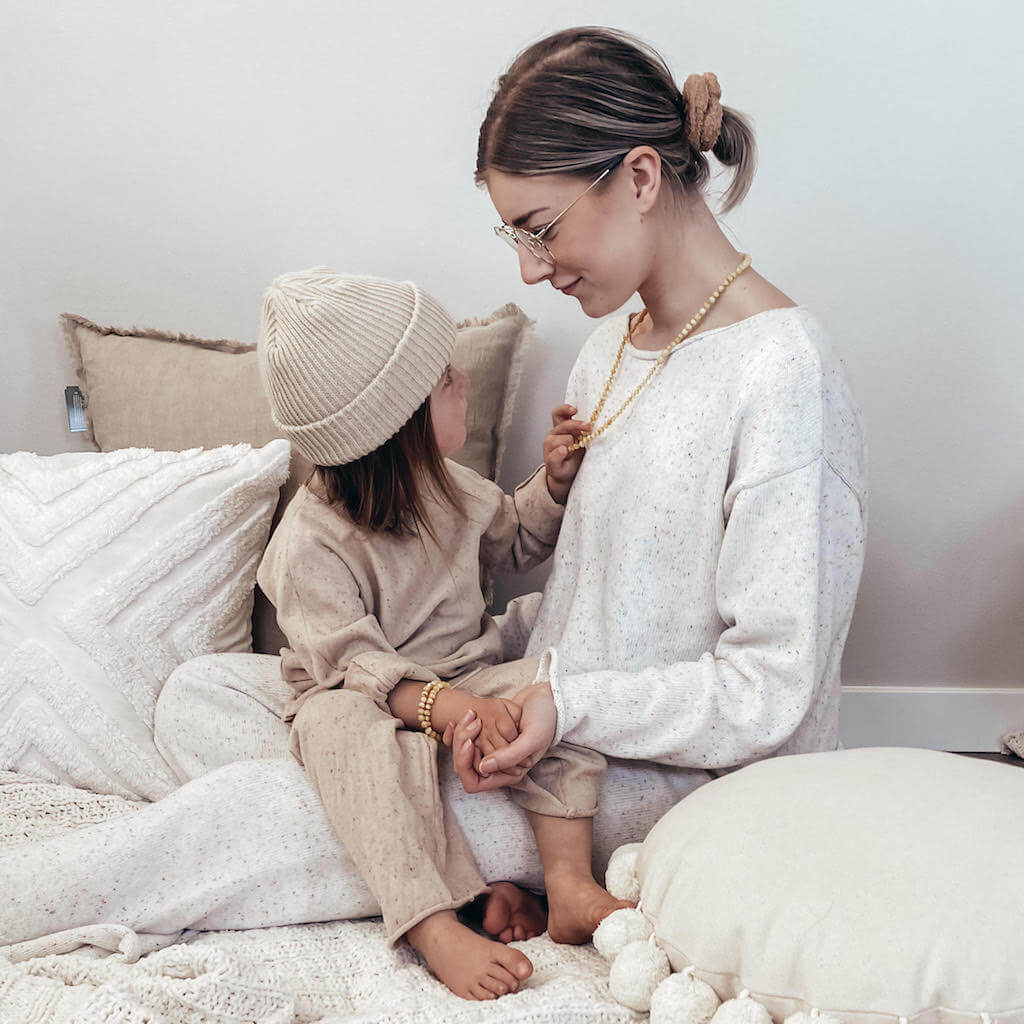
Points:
[(162, 162)]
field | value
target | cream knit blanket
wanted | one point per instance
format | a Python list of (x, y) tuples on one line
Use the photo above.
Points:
[(331, 972)]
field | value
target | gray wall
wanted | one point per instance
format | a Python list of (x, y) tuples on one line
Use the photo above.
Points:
[(163, 162)]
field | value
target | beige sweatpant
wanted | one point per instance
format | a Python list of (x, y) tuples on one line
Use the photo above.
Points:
[(378, 783)]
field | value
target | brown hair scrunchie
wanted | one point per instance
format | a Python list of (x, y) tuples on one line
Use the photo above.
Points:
[(702, 110)]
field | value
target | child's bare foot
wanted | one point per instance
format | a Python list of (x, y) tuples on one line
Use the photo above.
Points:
[(511, 914), (576, 906), (472, 966)]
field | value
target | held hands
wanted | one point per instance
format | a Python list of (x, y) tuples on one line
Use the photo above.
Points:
[(489, 724), (497, 719), (561, 465), (507, 762)]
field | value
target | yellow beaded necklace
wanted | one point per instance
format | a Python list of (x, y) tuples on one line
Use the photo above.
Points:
[(584, 439)]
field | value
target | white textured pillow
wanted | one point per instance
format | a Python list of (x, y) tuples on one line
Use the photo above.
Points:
[(116, 567), (870, 884)]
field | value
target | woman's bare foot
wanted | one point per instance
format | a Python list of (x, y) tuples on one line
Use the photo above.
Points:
[(472, 966), (511, 914), (576, 906)]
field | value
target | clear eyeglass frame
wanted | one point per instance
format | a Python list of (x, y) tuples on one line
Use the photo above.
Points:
[(532, 240)]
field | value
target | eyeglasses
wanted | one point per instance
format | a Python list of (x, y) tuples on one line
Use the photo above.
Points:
[(532, 239)]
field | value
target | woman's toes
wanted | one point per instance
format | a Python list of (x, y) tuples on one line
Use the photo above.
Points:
[(513, 914), (497, 913)]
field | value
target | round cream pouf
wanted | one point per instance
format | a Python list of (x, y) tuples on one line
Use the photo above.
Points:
[(810, 881)]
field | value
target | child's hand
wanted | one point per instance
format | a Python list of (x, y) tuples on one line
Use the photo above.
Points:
[(466, 758), (498, 719), (561, 465)]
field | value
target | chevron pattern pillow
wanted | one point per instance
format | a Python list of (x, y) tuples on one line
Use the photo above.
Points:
[(116, 567)]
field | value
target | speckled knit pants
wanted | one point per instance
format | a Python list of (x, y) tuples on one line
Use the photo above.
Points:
[(378, 783)]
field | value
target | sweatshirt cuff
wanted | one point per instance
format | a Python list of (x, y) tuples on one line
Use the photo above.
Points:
[(377, 673), (537, 510), (547, 672)]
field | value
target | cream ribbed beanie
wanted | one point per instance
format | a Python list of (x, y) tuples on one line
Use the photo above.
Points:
[(346, 359)]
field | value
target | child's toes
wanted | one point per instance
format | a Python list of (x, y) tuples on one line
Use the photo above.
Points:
[(496, 984), (504, 978), (495, 988), (516, 963)]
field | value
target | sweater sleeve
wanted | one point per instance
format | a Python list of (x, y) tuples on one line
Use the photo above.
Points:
[(524, 527), (322, 615), (515, 624), (785, 585)]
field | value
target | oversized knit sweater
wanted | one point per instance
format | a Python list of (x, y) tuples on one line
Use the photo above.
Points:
[(705, 576)]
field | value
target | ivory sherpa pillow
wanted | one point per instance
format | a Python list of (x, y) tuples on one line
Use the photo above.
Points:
[(115, 568), (879, 885)]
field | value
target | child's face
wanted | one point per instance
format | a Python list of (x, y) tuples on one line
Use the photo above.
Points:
[(448, 403)]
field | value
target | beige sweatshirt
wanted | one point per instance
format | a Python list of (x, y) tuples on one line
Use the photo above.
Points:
[(365, 610)]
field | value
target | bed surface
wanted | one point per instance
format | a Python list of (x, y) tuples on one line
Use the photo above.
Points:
[(333, 971)]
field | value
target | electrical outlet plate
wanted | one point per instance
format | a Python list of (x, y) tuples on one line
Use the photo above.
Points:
[(74, 403)]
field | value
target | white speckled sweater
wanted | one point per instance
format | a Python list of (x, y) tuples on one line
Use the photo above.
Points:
[(705, 576)]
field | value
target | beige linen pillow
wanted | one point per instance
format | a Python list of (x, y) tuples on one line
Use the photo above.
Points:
[(490, 349), (870, 884), (157, 389)]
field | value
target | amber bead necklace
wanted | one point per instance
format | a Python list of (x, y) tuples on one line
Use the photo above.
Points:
[(585, 439)]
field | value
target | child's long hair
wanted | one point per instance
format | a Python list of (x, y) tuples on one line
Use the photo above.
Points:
[(386, 490)]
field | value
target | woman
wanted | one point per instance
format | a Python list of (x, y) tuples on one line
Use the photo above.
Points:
[(705, 576), (704, 579)]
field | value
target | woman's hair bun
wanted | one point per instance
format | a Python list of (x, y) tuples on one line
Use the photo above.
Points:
[(702, 110), (578, 100)]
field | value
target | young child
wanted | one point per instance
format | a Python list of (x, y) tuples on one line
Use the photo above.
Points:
[(374, 573)]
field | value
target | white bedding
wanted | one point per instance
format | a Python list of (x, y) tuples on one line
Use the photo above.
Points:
[(341, 970), (243, 851)]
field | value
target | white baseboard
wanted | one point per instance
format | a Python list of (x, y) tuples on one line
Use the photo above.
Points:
[(936, 717)]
